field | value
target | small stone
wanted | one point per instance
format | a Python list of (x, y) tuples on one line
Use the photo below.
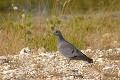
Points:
[(11, 75), (47, 55), (107, 67), (118, 49), (119, 73), (74, 72), (34, 65), (100, 60), (71, 77), (88, 50), (7, 67), (41, 50), (25, 51), (109, 50), (3, 59)]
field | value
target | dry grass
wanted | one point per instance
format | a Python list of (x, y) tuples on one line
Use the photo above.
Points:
[(96, 31)]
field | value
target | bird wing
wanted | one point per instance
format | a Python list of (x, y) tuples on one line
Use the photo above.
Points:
[(67, 49), (70, 51)]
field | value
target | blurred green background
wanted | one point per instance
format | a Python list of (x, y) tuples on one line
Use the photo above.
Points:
[(92, 24), (55, 6)]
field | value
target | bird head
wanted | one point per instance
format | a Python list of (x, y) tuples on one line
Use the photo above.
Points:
[(57, 33)]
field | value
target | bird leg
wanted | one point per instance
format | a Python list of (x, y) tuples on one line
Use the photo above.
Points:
[(68, 61)]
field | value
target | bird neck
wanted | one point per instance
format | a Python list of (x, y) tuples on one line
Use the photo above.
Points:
[(60, 38)]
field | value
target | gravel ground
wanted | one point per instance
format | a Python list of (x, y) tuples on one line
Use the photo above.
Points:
[(41, 65)]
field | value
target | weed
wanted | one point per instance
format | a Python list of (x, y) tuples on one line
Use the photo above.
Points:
[(55, 22), (96, 29)]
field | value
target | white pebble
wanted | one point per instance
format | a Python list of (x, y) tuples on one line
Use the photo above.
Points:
[(100, 60), (119, 73), (107, 67)]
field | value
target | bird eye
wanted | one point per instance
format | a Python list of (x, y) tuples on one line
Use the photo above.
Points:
[(56, 31)]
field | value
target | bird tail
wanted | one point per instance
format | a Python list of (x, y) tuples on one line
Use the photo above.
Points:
[(85, 58), (90, 60)]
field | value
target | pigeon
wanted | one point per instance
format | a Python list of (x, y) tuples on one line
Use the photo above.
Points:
[(69, 51)]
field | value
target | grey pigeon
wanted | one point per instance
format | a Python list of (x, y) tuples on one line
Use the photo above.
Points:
[(68, 50)]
